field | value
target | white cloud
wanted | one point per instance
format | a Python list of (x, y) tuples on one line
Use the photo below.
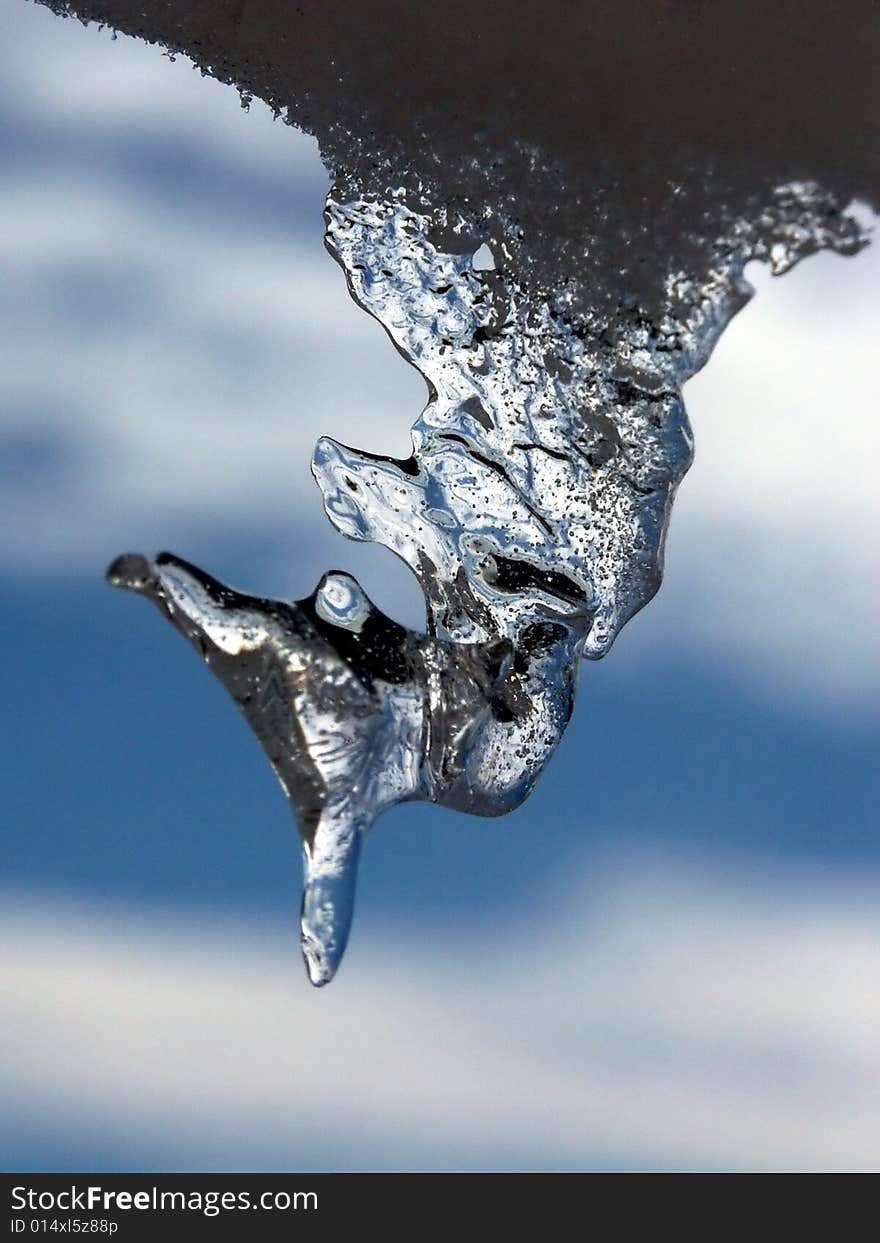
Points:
[(59, 72), (666, 1015), (773, 551)]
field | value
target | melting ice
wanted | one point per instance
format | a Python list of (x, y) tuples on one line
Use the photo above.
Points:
[(533, 511)]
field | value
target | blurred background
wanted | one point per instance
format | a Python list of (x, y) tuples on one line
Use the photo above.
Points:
[(668, 959)]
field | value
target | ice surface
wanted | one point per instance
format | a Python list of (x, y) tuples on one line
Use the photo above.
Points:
[(533, 511)]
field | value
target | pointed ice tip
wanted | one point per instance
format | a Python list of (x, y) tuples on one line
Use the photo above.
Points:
[(330, 867), (321, 966), (326, 450), (324, 929), (131, 571)]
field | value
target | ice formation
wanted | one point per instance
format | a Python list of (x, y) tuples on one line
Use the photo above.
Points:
[(533, 511), (549, 209)]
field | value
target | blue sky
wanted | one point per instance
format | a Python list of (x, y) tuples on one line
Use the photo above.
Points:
[(669, 958)]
